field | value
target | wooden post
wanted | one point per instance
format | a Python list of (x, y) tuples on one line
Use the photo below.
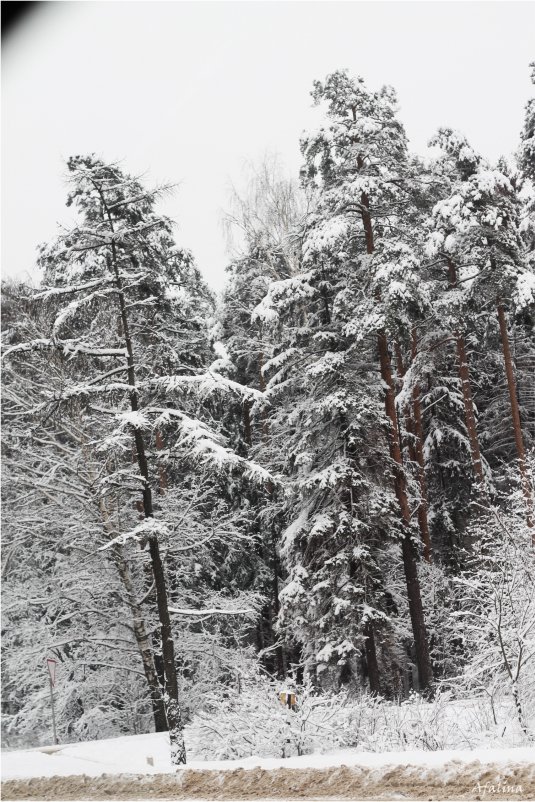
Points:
[(54, 731)]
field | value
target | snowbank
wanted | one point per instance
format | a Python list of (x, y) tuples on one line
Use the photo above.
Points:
[(128, 755)]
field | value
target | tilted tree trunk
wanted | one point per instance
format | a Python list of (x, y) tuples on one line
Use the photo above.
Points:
[(515, 416), (466, 387), (140, 630), (414, 426), (172, 707), (145, 647), (421, 643)]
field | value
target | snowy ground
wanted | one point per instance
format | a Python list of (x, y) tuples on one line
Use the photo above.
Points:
[(131, 754), (346, 774)]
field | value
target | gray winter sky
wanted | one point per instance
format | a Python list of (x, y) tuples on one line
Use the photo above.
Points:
[(188, 92)]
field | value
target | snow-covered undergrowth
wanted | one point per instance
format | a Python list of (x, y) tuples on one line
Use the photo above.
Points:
[(256, 723), (253, 729)]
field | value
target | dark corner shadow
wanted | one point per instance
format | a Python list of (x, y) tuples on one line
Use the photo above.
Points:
[(14, 14)]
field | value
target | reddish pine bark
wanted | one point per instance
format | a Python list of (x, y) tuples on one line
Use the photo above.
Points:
[(409, 558)]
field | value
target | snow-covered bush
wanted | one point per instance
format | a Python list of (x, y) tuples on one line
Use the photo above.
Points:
[(254, 722), (496, 620)]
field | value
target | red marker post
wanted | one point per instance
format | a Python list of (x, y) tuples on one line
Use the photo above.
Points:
[(51, 666)]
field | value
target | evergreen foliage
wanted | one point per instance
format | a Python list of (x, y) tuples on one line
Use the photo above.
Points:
[(322, 478)]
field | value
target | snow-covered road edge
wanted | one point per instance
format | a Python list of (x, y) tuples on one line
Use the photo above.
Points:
[(452, 780), (137, 767)]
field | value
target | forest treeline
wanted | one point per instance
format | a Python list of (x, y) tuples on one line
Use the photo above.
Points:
[(323, 476)]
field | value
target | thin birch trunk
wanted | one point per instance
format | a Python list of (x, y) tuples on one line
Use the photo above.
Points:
[(140, 630), (145, 648)]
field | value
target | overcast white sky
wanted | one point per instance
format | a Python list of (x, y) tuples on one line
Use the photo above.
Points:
[(189, 91)]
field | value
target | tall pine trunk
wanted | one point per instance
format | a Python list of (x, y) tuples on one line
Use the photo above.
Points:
[(421, 643), (515, 415)]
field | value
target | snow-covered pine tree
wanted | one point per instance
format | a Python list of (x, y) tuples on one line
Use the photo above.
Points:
[(477, 228), (454, 304), (524, 329), (360, 165), (526, 163)]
